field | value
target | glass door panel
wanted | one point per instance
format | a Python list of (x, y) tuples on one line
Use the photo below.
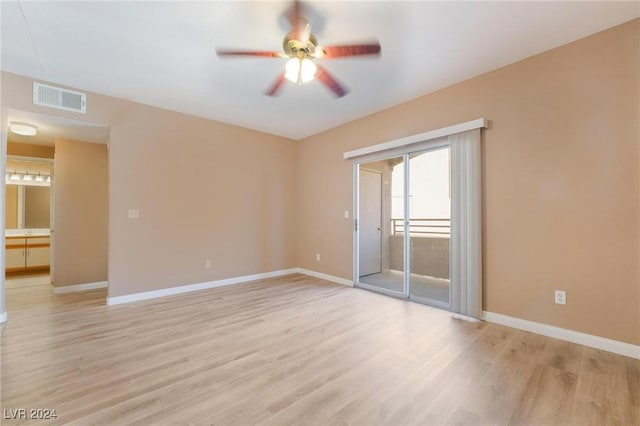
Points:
[(381, 225), (429, 226)]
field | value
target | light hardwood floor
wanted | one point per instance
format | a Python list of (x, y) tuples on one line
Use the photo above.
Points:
[(296, 351)]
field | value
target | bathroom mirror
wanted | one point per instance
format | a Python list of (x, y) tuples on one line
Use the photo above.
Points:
[(28, 207)]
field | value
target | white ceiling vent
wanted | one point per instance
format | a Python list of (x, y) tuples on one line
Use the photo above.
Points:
[(57, 97)]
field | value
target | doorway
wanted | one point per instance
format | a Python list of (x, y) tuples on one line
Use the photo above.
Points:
[(28, 210), (370, 222), (63, 246), (378, 187), (404, 217)]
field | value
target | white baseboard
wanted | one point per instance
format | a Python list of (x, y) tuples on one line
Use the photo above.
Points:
[(3, 317), (327, 277), (458, 316), (597, 342), (135, 297), (80, 287)]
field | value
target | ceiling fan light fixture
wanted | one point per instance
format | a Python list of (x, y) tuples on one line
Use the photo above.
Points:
[(301, 47), (300, 71)]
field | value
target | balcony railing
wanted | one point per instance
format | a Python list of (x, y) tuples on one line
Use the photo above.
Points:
[(421, 227)]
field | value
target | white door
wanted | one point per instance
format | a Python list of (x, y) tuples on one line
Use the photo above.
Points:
[(370, 222)]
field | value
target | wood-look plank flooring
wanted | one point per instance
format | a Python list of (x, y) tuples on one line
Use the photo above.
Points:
[(295, 351)]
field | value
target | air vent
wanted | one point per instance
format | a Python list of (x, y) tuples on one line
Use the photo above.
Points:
[(57, 97)]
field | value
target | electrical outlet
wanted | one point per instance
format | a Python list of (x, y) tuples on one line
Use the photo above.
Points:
[(207, 264), (561, 297), (346, 214), (317, 257), (133, 214)]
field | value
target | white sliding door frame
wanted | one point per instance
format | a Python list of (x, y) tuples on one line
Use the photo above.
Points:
[(465, 293), (406, 229), (406, 242)]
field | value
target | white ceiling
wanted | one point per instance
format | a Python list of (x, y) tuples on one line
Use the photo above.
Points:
[(163, 53)]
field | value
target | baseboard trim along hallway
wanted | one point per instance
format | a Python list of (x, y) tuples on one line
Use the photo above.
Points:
[(80, 287)]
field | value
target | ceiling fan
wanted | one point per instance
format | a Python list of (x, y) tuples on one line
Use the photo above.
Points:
[(301, 47)]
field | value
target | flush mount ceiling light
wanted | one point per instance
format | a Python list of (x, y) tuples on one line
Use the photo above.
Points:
[(22, 129)]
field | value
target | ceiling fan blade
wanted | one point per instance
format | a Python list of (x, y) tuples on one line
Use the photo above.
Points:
[(327, 79), (275, 87), (249, 53), (330, 52), (299, 25)]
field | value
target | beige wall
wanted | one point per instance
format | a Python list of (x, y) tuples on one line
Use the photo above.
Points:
[(204, 189), (28, 166), (11, 206), (81, 213), (561, 182), (29, 150)]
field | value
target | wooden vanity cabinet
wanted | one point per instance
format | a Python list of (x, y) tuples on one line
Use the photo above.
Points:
[(27, 253)]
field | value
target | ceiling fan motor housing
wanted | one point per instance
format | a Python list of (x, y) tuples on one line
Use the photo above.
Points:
[(296, 48)]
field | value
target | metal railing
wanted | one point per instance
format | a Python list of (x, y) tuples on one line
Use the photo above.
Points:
[(422, 226)]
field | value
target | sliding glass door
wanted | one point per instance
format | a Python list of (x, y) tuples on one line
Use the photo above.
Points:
[(429, 226), (403, 225), (381, 256)]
